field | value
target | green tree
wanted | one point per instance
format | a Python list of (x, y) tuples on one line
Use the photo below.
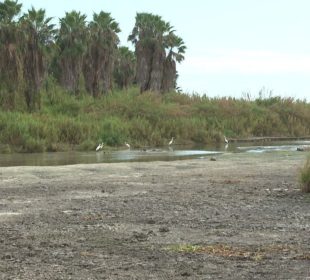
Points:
[(124, 72), (71, 41), (101, 52), (38, 34), (10, 58)]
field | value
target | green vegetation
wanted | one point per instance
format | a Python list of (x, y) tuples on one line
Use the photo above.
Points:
[(69, 122), (305, 176)]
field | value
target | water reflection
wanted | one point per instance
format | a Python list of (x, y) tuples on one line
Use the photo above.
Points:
[(65, 158), (150, 154)]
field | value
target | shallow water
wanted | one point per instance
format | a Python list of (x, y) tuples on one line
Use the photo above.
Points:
[(143, 155), (272, 146), (73, 157)]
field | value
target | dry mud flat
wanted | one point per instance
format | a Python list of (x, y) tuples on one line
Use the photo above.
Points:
[(240, 217)]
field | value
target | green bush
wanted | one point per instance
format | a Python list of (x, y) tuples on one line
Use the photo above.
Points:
[(32, 145), (87, 145), (113, 131)]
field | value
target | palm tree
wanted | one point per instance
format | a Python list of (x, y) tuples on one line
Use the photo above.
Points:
[(38, 34), (124, 71), (71, 41), (152, 36), (176, 49), (9, 9), (10, 58), (143, 36), (99, 61)]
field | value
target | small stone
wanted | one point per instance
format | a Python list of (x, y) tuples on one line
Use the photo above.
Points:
[(185, 274), (163, 229), (151, 222), (140, 236)]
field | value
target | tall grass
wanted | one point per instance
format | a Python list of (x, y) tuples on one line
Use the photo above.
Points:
[(70, 122), (305, 176)]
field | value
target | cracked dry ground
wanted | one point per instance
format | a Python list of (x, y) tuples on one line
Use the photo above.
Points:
[(240, 217)]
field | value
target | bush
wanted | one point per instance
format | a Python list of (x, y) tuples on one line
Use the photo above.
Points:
[(32, 145), (87, 145), (113, 131), (305, 177)]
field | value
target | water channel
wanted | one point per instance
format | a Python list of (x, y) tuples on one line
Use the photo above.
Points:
[(147, 154)]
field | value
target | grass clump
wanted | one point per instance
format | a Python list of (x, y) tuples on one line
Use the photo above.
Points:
[(305, 177)]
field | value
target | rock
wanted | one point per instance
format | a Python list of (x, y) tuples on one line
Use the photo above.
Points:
[(185, 274), (163, 229), (150, 222), (140, 236)]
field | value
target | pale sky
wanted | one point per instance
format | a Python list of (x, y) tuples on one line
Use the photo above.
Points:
[(233, 46)]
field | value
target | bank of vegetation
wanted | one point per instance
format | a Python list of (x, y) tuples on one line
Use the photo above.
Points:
[(72, 86), (67, 122)]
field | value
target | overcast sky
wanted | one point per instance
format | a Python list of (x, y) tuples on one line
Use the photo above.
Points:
[(233, 46)]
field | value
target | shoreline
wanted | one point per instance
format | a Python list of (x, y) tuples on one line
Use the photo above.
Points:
[(269, 138)]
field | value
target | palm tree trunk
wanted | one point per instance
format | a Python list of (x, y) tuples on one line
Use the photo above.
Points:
[(157, 69), (144, 66), (33, 72), (107, 74), (10, 68), (169, 75)]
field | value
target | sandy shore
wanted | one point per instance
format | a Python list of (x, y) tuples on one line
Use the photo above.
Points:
[(239, 217)]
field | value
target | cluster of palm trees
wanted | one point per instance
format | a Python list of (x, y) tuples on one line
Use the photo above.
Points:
[(82, 55), (157, 49)]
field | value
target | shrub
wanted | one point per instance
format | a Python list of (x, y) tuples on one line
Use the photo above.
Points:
[(5, 149), (87, 145), (305, 176), (32, 145), (113, 131)]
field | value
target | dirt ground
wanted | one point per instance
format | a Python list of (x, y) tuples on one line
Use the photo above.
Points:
[(239, 217)]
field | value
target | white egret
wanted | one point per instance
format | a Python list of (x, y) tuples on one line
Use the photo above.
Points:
[(128, 146), (226, 140), (99, 147), (171, 141)]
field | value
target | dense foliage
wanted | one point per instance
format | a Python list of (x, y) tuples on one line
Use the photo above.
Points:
[(66, 122)]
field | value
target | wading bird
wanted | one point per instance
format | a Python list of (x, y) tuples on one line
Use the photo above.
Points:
[(171, 141), (226, 140), (128, 146), (99, 147)]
